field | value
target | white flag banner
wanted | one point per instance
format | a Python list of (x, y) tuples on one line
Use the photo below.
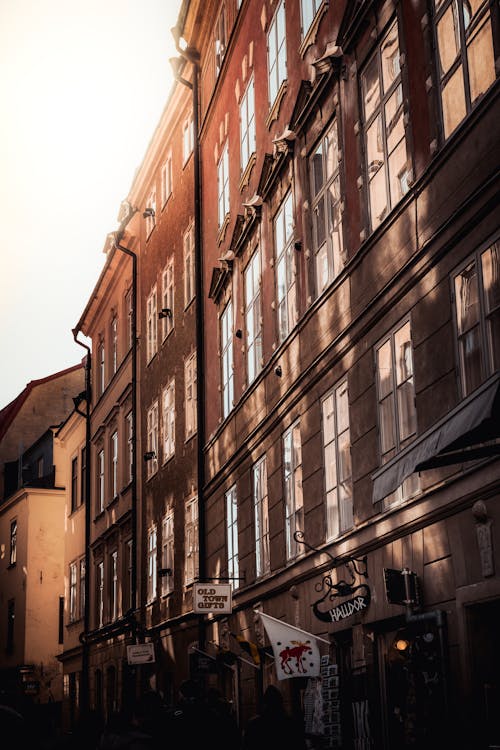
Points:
[(296, 652)]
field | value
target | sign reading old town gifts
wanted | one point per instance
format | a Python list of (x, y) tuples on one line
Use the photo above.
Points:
[(213, 597)]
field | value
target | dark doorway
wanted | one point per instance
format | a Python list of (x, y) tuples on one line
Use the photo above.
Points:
[(483, 627)]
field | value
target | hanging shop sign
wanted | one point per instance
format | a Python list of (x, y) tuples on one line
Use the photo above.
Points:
[(212, 597), (359, 593), (141, 653)]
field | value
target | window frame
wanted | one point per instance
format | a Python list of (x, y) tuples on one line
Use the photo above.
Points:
[(114, 464), (293, 494), (253, 316), (167, 552), (151, 216), (233, 566), (167, 298), (190, 395), (285, 266), (168, 419), (223, 196), (151, 324), (152, 433), (166, 180), (189, 265), (191, 565), (276, 42), (247, 124), (260, 497), (339, 518), (101, 488), (152, 564), (227, 359)]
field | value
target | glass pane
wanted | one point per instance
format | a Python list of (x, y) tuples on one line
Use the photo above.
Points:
[(398, 173), (470, 349), (394, 124), (332, 153), (481, 61), (384, 370), (404, 361), (378, 198), (371, 87), (330, 467), (453, 97), (319, 217), (332, 514), (467, 299), (387, 437), (406, 410), (344, 448), (374, 146), (491, 276), (390, 58), (342, 408), (448, 35), (317, 170), (322, 268), (328, 420)]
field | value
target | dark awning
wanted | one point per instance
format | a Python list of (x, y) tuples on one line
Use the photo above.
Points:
[(474, 421)]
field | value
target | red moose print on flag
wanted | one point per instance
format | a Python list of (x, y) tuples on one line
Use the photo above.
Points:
[(296, 652)]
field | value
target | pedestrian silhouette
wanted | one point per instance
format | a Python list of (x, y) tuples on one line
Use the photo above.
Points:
[(273, 727)]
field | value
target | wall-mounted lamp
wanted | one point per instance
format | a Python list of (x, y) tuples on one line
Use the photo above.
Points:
[(148, 212), (149, 455), (165, 312), (162, 572)]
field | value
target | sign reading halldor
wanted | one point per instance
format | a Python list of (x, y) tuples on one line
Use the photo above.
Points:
[(141, 653), (212, 597)]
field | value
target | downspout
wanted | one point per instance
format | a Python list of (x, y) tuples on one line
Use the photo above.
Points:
[(133, 603), (191, 55), (86, 607)]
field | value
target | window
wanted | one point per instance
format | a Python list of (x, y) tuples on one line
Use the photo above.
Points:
[(388, 169), (152, 438), (99, 594), (128, 312), (337, 461), (308, 8), (11, 616), (220, 40), (150, 212), (166, 180), (129, 428), (189, 290), (152, 564), (102, 369), (82, 588), (83, 475), (226, 325), (466, 57), (151, 325), (100, 481), (114, 344), (187, 139), (261, 515), (113, 586), (167, 553), (247, 124), (233, 568), (167, 299), (73, 592), (13, 543), (74, 484), (253, 317), (396, 402), (477, 310), (276, 52), (292, 474), (114, 465), (285, 268), (168, 419), (190, 394), (223, 184), (127, 584), (326, 209), (191, 548)]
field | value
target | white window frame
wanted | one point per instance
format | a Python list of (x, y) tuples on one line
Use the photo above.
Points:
[(326, 208), (73, 591), (114, 464), (151, 324), (168, 420), (130, 446), (101, 356), (189, 263), (247, 124), (227, 366), (152, 564), (191, 551), (233, 566), (187, 139), (337, 460), (190, 394), (261, 517), (253, 316), (152, 438), (220, 40), (167, 298), (81, 597), (128, 311), (223, 185), (376, 121), (167, 552), (100, 594), (113, 586), (292, 483), (166, 180), (100, 481), (276, 52), (114, 344), (286, 288), (394, 355), (476, 296), (13, 542)]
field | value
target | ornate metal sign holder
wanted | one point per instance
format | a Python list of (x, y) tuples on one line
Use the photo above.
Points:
[(360, 593)]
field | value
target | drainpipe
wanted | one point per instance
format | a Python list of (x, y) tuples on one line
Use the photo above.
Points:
[(86, 607), (191, 55), (116, 241)]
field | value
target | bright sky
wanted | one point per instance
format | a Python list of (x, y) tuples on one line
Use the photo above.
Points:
[(83, 84)]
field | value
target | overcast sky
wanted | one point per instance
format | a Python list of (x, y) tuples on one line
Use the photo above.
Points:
[(82, 86)]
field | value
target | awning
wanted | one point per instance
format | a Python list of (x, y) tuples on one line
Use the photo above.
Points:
[(459, 436)]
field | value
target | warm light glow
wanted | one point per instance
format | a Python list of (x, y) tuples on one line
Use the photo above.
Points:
[(401, 644)]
